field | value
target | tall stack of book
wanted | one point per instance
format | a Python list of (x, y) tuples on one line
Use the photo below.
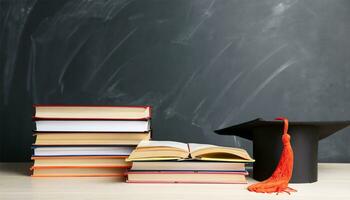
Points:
[(175, 162), (87, 141)]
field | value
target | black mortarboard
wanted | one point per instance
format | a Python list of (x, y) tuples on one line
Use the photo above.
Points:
[(267, 145)]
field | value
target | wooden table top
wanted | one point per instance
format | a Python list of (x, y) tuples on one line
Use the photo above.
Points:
[(15, 183)]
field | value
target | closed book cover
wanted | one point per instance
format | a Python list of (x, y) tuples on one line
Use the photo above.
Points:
[(187, 177), (80, 161), (82, 150), (187, 166), (91, 112), (91, 126), (90, 138), (78, 171)]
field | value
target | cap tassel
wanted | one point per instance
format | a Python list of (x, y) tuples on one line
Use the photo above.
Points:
[(278, 182)]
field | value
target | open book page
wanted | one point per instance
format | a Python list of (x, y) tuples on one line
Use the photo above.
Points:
[(171, 144), (195, 146), (159, 150), (218, 153)]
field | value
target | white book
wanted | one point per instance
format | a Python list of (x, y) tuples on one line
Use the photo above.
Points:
[(82, 151), (92, 126)]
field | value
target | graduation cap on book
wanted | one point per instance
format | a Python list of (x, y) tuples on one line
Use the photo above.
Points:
[(267, 145)]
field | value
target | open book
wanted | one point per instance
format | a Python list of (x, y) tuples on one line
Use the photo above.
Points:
[(168, 150)]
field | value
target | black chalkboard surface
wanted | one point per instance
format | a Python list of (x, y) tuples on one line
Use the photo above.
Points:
[(201, 64)]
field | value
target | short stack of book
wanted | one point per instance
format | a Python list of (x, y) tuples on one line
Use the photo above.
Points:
[(175, 162), (87, 141)]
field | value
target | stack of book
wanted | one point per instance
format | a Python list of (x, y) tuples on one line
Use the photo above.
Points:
[(91, 141), (175, 162)]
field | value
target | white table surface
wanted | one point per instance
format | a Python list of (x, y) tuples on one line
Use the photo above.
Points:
[(333, 183)]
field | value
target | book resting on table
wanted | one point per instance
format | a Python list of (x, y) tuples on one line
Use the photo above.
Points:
[(87, 141), (176, 162)]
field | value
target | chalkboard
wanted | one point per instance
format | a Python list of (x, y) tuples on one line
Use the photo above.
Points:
[(201, 64)]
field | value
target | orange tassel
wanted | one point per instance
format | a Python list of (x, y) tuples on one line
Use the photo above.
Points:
[(278, 182)]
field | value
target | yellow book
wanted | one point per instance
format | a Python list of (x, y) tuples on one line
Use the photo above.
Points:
[(92, 112), (80, 161), (43, 138), (169, 150)]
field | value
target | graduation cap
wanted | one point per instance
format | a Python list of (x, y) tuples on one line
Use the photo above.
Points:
[(267, 145)]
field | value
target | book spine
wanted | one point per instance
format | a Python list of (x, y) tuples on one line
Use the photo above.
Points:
[(34, 118), (186, 182), (84, 105), (88, 119)]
